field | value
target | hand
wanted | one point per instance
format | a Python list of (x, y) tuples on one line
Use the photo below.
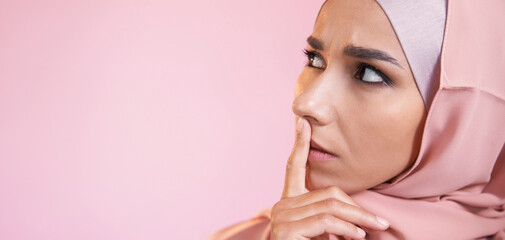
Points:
[(303, 215)]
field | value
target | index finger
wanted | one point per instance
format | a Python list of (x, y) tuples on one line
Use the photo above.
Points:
[(294, 183)]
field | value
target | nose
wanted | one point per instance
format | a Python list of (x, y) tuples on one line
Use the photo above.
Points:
[(314, 104)]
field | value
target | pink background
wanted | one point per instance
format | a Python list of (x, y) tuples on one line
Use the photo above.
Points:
[(144, 119)]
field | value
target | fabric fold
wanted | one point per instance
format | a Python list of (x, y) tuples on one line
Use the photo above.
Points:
[(456, 188)]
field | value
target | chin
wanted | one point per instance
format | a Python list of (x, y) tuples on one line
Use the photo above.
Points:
[(315, 181)]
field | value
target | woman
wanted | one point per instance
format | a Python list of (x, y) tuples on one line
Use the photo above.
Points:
[(401, 126)]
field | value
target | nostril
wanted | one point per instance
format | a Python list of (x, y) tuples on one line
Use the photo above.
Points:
[(311, 119), (314, 106)]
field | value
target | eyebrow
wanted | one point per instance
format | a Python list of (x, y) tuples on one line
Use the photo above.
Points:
[(357, 52)]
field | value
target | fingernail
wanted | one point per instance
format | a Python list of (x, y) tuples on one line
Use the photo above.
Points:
[(299, 125), (382, 221), (361, 233)]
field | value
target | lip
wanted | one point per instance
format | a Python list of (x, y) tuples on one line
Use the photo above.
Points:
[(319, 154)]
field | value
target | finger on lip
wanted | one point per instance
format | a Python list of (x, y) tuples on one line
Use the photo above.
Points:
[(295, 170)]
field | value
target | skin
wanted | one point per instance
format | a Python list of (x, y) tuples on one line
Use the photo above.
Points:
[(373, 129)]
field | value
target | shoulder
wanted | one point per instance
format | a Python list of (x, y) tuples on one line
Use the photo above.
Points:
[(256, 228)]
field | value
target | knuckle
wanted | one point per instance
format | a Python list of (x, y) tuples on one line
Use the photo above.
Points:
[(349, 228), (278, 231), (332, 203), (368, 217), (298, 135), (280, 211), (335, 191), (277, 217), (276, 207), (293, 166), (365, 214), (324, 218), (299, 141)]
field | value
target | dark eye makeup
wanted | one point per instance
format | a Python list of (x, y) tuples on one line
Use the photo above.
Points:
[(359, 74), (311, 56)]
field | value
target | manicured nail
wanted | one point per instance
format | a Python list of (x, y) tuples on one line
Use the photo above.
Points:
[(361, 233), (299, 126), (382, 221)]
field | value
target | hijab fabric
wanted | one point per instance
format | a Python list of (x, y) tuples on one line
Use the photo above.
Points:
[(456, 187)]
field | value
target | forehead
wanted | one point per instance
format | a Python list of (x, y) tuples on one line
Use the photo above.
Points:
[(358, 22)]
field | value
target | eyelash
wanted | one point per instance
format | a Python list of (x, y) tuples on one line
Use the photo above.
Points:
[(361, 66), (310, 56)]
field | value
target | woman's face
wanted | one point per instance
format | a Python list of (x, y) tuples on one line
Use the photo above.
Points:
[(359, 94)]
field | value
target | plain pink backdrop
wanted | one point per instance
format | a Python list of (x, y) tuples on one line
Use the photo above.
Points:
[(144, 119)]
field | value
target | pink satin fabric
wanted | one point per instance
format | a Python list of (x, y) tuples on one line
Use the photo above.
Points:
[(456, 188)]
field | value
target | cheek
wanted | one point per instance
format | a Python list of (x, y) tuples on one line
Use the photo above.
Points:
[(385, 136)]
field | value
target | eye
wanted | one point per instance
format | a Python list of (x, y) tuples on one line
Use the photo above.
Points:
[(314, 59), (370, 75)]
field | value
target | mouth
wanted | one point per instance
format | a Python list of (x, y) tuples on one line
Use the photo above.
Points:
[(320, 154)]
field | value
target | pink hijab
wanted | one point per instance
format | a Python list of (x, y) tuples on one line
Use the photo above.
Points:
[(456, 188)]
